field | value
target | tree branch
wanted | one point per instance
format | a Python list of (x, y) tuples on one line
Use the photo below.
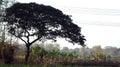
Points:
[(35, 40), (21, 39)]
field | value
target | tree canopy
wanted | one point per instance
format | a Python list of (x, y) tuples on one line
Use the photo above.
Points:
[(26, 20), (44, 21)]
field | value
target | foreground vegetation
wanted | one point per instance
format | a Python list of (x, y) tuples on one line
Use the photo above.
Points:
[(8, 65), (40, 57)]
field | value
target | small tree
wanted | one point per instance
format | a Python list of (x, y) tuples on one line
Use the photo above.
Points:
[(26, 20)]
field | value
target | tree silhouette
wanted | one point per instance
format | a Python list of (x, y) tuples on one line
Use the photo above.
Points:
[(26, 20)]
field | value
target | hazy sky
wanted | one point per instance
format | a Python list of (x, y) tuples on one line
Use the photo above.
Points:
[(99, 19)]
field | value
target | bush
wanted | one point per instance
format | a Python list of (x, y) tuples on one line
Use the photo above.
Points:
[(37, 53), (7, 53)]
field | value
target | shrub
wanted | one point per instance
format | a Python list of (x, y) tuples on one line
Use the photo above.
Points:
[(7, 53)]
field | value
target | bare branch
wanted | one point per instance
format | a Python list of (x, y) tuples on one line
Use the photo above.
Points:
[(35, 40), (21, 39)]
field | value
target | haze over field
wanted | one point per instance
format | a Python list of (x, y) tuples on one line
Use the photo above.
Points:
[(99, 19)]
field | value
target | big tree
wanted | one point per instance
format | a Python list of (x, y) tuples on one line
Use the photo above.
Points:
[(27, 20)]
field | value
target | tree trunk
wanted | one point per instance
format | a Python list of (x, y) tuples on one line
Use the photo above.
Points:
[(27, 53)]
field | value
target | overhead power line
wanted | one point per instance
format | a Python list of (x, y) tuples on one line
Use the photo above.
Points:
[(94, 11)]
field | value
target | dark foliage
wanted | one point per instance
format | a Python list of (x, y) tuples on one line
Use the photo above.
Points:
[(0, 2), (27, 20), (7, 53), (91, 63)]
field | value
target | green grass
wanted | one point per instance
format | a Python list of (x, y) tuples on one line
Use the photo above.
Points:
[(13, 65), (9, 65)]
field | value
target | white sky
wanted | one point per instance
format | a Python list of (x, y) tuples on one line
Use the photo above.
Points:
[(99, 19)]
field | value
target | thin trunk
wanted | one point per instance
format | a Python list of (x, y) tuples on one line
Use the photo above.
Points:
[(3, 38), (27, 53)]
